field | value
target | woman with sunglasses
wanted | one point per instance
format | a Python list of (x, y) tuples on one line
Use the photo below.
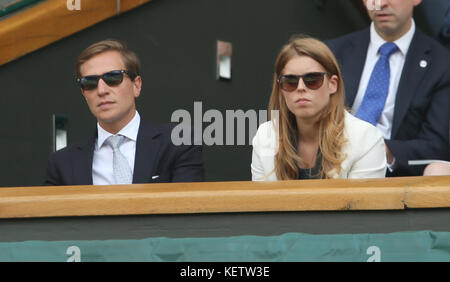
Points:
[(310, 134)]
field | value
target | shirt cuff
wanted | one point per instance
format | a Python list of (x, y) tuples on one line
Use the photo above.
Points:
[(391, 166)]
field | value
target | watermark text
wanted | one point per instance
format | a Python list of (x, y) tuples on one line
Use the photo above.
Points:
[(73, 5)]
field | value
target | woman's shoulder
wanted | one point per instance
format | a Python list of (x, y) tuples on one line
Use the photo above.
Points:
[(267, 126), (360, 133), (358, 127), (266, 133)]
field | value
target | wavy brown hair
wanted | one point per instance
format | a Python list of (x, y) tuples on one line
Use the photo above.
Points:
[(331, 124)]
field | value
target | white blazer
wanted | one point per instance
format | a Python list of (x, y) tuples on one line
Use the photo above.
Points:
[(365, 151)]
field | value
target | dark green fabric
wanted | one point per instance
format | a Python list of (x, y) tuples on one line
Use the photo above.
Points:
[(402, 246)]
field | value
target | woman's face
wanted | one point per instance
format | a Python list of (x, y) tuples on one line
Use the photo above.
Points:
[(303, 102)]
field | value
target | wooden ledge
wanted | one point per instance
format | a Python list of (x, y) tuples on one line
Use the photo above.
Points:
[(239, 196), (50, 21)]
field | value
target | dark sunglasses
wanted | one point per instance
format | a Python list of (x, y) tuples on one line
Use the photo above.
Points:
[(312, 80), (112, 78)]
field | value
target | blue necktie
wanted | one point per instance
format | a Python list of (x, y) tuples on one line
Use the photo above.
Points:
[(377, 90)]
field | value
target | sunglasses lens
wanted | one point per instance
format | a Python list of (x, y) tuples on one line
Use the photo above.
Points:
[(313, 80), (89, 82), (113, 78), (289, 82)]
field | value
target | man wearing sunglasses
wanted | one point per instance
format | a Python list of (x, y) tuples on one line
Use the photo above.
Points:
[(124, 148), (398, 79)]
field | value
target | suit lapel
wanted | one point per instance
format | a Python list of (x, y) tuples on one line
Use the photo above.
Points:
[(82, 162), (411, 77), (354, 64), (147, 149)]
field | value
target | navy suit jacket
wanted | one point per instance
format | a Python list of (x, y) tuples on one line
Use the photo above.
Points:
[(156, 155), (420, 126)]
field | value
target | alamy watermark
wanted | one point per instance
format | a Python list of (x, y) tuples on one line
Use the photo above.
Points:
[(73, 5), (214, 133), (373, 5)]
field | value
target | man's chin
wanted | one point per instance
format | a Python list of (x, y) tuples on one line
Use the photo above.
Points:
[(386, 28), (107, 119)]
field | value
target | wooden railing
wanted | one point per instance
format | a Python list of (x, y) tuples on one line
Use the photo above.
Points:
[(239, 196), (50, 21)]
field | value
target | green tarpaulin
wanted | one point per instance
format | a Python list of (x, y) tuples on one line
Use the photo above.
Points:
[(297, 247)]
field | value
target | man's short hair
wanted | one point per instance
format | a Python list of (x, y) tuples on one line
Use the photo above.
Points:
[(130, 59)]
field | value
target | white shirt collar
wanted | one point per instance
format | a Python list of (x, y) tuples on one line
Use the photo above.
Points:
[(402, 43), (130, 131)]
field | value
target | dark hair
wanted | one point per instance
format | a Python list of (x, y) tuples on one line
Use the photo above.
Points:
[(130, 59)]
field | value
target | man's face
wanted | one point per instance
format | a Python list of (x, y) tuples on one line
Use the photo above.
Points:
[(113, 106), (393, 19)]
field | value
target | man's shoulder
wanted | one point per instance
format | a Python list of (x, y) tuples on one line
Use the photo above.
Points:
[(357, 130), (422, 38), (425, 47), (165, 132), (69, 150), (352, 35), (155, 129), (348, 38)]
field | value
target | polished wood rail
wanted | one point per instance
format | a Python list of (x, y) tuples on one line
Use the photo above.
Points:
[(51, 20), (215, 197)]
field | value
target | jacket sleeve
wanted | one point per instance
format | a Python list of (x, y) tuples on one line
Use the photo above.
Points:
[(372, 160), (256, 165), (366, 149), (52, 174), (188, 166), (264, 150)]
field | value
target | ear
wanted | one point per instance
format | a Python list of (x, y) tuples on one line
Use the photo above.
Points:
[(137, 86), (417, 2), (333, 82), (364, 3)]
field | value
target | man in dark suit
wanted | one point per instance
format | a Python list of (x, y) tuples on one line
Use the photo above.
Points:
[(123, 149), (414, 112)]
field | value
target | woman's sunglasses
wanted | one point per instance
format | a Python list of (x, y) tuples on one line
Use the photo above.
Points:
[(312, 80), (112, 78)]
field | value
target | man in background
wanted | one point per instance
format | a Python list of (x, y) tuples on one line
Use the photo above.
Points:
[(398, 79)]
